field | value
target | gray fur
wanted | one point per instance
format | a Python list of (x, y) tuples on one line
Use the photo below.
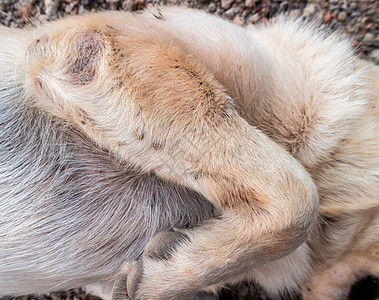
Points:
[(70, 210)]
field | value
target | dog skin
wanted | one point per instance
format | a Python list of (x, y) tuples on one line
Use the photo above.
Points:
[(258, 145)]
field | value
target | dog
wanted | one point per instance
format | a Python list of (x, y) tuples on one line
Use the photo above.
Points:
[(159, 154)]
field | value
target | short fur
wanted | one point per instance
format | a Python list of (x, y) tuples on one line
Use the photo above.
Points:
[(116, 126)]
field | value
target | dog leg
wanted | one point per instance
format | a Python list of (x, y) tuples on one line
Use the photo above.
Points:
[(119, 289), (161, 111)]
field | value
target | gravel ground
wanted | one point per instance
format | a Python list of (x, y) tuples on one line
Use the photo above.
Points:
[(357, 19)]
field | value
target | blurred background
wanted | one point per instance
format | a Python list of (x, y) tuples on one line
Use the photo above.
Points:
[(357, 20)]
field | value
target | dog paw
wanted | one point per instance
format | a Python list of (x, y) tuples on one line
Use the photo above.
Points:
[(160, 248), (163, 244), (134, 279)]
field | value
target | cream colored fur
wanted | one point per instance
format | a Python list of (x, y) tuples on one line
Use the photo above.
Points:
[(253, 119)]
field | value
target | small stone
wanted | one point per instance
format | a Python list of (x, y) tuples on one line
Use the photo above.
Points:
[(112, 3), (309, 10), (353, 5), (250, 3), (368, 39), (334, 2), (346, 8), (212, 7), (357, 27), (283, 6), (354, 14), (24, 9), (51, 9), (374, 56), (254, 18), (366, 20), (68, 9), (140, 4), (230, 13), (245, 14), (368, 27), (342, 16), (226, 4), (265, 10), (327, 17), (371, 12), (237, 9), (74, 10), (128, 5), (238, 20), (82, 10), (318, 17)]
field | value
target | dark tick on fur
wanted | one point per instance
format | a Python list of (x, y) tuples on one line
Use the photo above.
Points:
[(139, 135)]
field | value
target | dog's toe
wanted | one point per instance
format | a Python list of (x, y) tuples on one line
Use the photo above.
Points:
[(163, 244)]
